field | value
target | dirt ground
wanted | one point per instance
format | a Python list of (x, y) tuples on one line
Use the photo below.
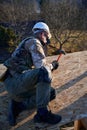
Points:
[(70, 82)]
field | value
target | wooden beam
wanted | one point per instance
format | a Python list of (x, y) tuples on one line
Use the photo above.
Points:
[(80, 124), (84, 122), (77, 125)]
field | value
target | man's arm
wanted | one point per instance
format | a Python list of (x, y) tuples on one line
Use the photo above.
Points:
[(37, 52)]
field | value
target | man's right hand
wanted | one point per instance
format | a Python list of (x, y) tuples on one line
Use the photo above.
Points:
[(55, 65)]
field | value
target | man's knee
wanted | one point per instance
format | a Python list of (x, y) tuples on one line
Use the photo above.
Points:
[(44, 75)]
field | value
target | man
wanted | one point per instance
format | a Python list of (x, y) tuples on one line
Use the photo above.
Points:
[(29, 77)]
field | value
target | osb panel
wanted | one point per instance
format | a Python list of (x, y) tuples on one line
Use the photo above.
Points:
[(70, 82)]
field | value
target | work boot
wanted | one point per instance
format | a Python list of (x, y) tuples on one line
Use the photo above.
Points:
[(15, 108), (46, 117)]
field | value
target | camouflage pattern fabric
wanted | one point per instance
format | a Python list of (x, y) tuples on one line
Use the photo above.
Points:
[(24, 66)]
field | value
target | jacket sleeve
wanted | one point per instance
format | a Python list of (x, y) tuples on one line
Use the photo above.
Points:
[(38, 54)]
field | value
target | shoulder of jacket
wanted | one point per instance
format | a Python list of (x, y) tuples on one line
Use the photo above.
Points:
[(32, 41)]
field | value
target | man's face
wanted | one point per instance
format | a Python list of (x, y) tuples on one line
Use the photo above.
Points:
[(44, 37)]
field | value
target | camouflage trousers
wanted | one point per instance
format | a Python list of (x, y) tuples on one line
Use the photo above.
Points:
[(25, 87)]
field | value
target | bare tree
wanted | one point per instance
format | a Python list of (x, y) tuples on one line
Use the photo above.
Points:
[(65, 20), (18, 13)]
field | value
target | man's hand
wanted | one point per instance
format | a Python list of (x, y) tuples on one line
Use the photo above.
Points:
[(61, 52), (55, 65)]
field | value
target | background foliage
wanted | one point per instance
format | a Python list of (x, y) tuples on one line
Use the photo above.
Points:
[(67, 22)]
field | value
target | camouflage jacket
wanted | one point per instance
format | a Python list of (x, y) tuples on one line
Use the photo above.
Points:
[(30, 53)]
